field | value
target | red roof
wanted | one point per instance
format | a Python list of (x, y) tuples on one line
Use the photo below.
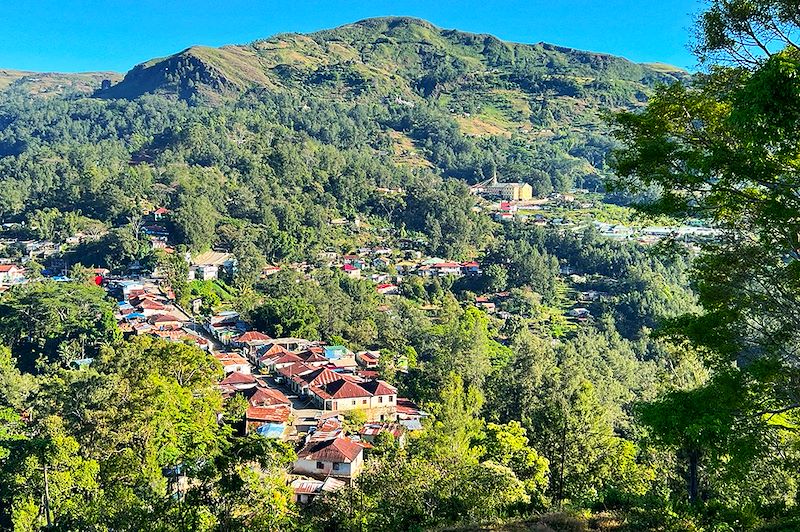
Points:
[(319, 377), (166, 318), (376, 387), (252, 336), (286, 358), (342, 389), (311, 357), (447, 265), (295, 369), (238, 378), (273, 413), (149, 304), (407, 407), (366, 355), (349, 268), (373, 429), (161, 210), (5, 268), (265, 396), (335, 450), (273, 350)]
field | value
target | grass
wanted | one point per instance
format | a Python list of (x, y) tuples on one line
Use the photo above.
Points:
[(406, 153)]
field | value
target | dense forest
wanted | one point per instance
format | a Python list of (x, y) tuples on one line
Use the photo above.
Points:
[(674, 408)]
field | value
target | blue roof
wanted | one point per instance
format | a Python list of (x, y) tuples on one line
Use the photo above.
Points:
[(335, 351), (411, 424), (271, 430)]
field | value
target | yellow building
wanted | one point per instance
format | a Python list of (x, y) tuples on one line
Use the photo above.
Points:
[(510, 191)]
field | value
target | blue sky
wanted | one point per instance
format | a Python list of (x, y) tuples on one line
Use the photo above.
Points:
[(85, 35)]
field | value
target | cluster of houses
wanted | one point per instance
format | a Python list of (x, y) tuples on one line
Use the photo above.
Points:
[(390, 268), (143, 308), (283, 380)]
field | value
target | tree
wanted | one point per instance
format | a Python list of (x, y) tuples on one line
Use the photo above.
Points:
[(45, 480), (718, 150), (496, 278), (507, 445), (57, 321), (176, 270), (195, 220), (287, 316)]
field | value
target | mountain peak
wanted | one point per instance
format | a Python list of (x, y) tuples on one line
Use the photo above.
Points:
[(383, 54)]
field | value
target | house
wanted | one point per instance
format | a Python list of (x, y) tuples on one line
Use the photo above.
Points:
[(387, 289), (338, 457), (231, 362), (354, 260), (160, 213), (305, 489), (507, 206), (506, 191), (149, 306), (446, 268), (225, 326), (238, 381), (274, 362), (268, 411), (11, 273), (370, 431), (488, 306), (381, 262), (167, 322), (292, 344), (368, 359), (207, 266), (250, 341), (580, 313), (334, 391), (268, 270), (471, 268), (261, 354), (351, 271)]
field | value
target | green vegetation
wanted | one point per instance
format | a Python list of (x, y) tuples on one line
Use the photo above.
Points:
[(578, 381)]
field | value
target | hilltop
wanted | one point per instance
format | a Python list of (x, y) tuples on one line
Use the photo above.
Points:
[(389, 55), (53, 83)]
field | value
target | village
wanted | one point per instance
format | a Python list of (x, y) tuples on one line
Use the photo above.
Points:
[(327, 401)]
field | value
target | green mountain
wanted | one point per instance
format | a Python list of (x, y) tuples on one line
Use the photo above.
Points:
[(392, 55), (279, 136), (540, 93)]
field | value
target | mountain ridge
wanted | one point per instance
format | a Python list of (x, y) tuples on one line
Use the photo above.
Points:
[(273, 62)]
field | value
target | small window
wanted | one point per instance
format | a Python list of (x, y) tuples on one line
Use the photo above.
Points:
[(380, 399), (354, 402), (364, 401), (336, 466), (320, 465)]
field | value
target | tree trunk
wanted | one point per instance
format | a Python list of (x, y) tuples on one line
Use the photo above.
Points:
[(693, 484)]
